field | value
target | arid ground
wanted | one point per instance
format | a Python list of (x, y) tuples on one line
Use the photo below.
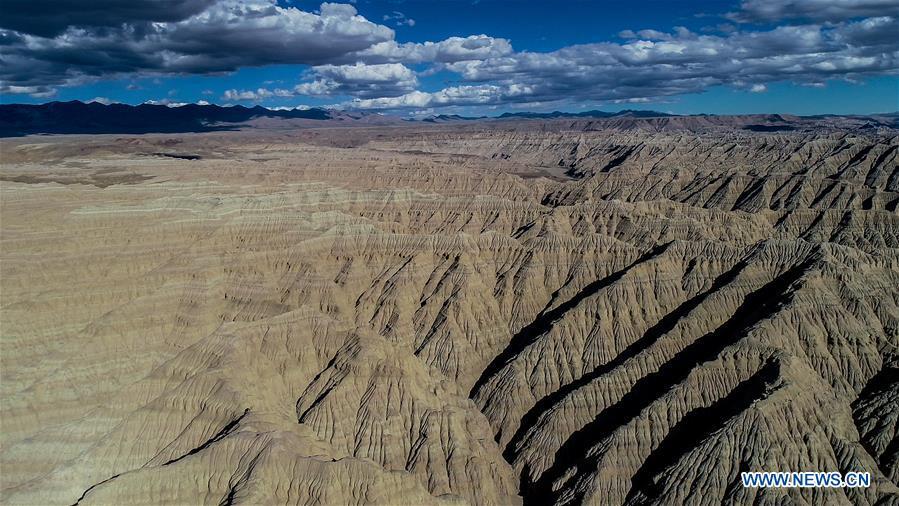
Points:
[(547, 312)]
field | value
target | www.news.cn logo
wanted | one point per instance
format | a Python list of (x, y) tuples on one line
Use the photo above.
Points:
[(810, 479)]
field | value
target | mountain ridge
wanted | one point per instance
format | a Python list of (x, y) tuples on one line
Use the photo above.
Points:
[(76, 117), (93, 117)]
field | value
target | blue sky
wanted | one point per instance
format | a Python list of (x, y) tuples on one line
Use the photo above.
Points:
[(419, 57)]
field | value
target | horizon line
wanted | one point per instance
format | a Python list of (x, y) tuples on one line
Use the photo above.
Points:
[(397, 113)]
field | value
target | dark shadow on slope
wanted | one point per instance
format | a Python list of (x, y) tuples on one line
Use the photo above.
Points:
[(872, 171), (92, 487), (883, 385), (227, 429), (574, 453), (620, 159), (662, 327), (179, 156), (545, 320), (235, 486), (699, 424)]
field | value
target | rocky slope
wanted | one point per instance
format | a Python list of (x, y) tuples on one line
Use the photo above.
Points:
[(487, 313)]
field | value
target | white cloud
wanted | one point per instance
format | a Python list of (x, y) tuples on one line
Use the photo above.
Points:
[(290, 108), (648, 66), (815, 10), (255, 95), (166, 102), (399, 19), (453, 49), (654, 64), (38, 91), (227, 35), (456, 95), (360, 80), (351, 56)]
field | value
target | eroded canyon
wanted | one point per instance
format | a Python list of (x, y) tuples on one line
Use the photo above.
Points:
[(538, 312)]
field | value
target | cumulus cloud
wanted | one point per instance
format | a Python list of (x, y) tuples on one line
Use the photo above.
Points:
[(815, 10), (350, 56), (38, 91), (399, 19), (227, 35), (48, 18), (166, 102), (655, 64), (635, 100), (484, 94), (254, 95), (360, 80), (453, 49)]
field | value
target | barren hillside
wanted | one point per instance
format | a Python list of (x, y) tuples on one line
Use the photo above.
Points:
[(559, 312)]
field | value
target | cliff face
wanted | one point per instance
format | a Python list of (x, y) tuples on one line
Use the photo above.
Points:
[(453, 314)]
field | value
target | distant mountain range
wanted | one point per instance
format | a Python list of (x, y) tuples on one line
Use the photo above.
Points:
[(77, 117), (627, 113)]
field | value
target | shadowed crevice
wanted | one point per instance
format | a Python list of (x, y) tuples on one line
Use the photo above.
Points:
[(879, 389), (545, 320), (575, 452), (95, 485), (699, 424), (872, 172), (662, 327), (617, 161), (221, 434), (236, 486)]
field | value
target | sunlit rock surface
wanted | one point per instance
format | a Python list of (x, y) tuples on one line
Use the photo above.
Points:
[(561, 312)]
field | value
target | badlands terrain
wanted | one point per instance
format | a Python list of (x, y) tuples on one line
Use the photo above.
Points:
[(560, 311)]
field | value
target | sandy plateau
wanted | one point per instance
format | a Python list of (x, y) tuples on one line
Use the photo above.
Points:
[(546, 312)]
